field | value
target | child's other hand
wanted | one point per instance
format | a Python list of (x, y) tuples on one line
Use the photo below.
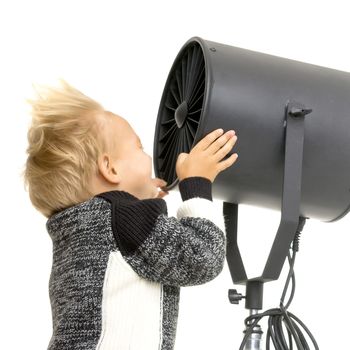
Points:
[(158, 183)]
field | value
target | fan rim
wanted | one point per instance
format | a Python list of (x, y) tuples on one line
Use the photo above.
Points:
[(203, 114)]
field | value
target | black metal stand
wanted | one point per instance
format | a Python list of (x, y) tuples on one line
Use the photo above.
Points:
[(294, 141)]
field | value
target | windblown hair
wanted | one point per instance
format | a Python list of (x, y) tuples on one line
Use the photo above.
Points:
[(65, 139)]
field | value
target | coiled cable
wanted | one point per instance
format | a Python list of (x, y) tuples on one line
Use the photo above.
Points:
[(280, 315)]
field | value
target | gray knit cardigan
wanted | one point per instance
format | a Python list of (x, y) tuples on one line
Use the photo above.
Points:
[(119, 262)]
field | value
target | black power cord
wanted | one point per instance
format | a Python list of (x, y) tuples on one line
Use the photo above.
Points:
[(279, 315)]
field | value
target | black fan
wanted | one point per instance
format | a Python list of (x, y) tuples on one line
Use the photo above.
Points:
[(213, 85), (180, 110)]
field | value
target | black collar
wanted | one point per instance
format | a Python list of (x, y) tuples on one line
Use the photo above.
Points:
[(117, 194)]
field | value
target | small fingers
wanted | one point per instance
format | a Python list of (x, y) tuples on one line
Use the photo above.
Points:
[(207, 140), (222, 152), (227, 162), (220, 142)]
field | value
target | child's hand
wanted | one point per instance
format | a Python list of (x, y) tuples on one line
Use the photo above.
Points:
[(206, 157), (160, 183)]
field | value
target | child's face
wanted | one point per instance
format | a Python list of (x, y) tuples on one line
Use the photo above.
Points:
[(129, 166)]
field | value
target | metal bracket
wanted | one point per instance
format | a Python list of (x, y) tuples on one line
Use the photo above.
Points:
[(290, 211)]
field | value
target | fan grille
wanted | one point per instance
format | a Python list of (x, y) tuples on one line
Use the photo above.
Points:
[(180, 111)]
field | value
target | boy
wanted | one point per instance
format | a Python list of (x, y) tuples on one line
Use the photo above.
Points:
[(118, 259)]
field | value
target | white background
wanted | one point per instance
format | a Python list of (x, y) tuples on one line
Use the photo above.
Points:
[(120, 53)]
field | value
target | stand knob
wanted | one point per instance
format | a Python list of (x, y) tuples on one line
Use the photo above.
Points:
[(234, 297)]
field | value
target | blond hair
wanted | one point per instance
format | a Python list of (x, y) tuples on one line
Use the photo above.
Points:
[(65, 140)]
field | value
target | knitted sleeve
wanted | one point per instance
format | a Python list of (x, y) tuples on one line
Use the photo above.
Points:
[(185, 250)]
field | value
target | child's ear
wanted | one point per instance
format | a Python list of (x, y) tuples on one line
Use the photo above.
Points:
[(113, 170), (107, 169)]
